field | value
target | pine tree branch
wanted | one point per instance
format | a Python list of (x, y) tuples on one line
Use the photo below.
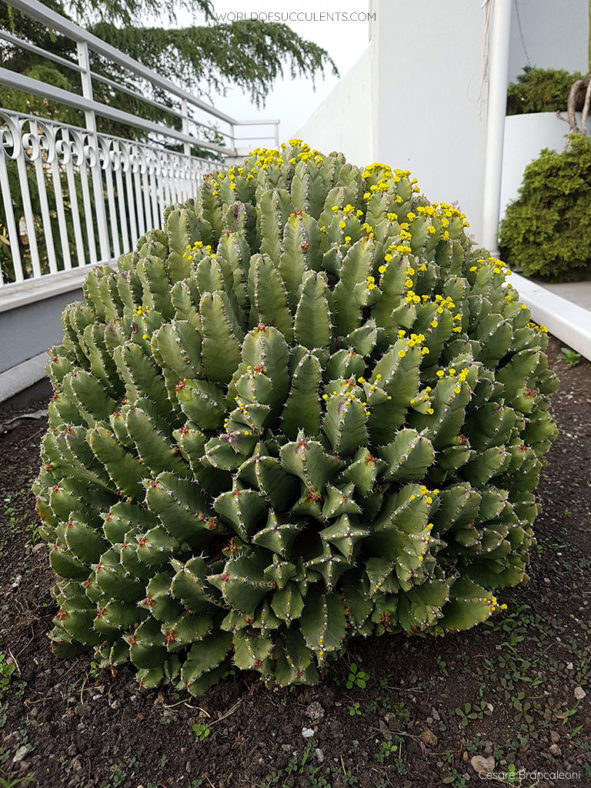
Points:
[(248, 54)]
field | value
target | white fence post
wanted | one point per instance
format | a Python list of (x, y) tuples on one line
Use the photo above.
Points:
[(97, 178), (185, 126)]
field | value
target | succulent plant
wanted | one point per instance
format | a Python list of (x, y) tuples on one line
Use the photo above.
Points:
[(307, 410)]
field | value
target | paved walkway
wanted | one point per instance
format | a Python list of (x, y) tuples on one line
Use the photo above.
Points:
[(577, 292)]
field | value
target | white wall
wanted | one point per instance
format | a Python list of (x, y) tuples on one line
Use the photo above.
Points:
[(417, 99), (344, 120), (431, 93), (525, 137), (555, 35)]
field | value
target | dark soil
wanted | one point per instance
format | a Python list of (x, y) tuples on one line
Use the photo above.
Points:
[(69, 724)]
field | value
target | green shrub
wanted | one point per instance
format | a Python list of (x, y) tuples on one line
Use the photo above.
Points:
[(305, 411), (540, 90), (547, 230)]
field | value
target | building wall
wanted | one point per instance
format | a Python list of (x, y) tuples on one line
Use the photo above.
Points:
[(431, 89), (343, 121), (418, 97), (32, 328), (553, 34)]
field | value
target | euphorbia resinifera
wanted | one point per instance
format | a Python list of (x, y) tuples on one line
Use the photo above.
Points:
[(306, 410)]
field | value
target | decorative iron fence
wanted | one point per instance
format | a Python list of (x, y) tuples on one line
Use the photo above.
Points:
[(94, 194), (75, 195)]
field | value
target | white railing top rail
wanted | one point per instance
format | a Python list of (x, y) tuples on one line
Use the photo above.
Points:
[(29, 85), (60, 24), (204, 116), (76, 194)]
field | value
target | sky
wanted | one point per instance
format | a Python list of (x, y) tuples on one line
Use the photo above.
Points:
[(293, 101)]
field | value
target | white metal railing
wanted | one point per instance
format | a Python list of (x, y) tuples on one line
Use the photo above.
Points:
[(75, 195)]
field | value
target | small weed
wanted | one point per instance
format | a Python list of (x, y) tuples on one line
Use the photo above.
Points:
[(456, 779), (469, 712), (574, 732), (34, 534), (355, 710), (401, 712), (6, 671), (356, 678), (570, 357), (442, 665), (13, 782), (474, 746), (201, 730), (386, 750), (522, 709), (93, 670), (569, 713)]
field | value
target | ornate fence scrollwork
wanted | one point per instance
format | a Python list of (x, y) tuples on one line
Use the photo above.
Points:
[(53, 178)]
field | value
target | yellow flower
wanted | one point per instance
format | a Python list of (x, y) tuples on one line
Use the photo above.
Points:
[(402, 353)]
